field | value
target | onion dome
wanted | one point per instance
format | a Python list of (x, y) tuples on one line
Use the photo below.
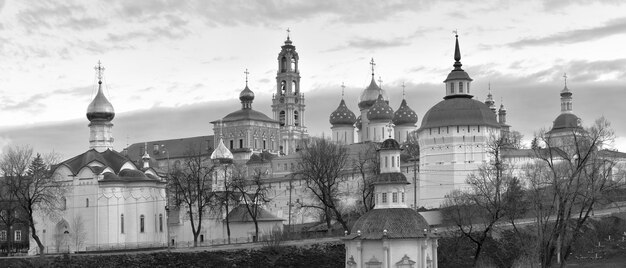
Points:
[(390, 144), (246, 95), (370, 94), (342, 115), (100, 108), (459, 111), (359, 123), (221, 153), (380, 110), (404, 115), (390, 223)]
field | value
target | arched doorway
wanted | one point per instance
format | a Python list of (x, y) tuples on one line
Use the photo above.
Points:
[(62, 236)]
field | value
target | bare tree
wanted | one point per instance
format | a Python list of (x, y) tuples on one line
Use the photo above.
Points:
[(191, 183), (322, 163), (367, 164), (79, 234), (31, 182), (224, 199), (253, 194), (475, 211), (569, 177)]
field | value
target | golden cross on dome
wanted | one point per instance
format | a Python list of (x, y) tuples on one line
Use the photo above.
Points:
[(403, 86), (380, 82), (99, 69), (390, 128), (247, 73), (343, 87), (373, 64)]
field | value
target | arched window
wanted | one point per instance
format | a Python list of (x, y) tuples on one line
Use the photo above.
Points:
[(161, 223), (451, 88), (283, 87), (281, 118), (283, 64), (293, 64), (122, 223), (142, 223), (87, 202), (240, 143), (295, 118), (294, 87), (460, 87), (394, 197)]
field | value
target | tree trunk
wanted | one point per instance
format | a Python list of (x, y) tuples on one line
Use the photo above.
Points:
[(256, 230), (35, 236)]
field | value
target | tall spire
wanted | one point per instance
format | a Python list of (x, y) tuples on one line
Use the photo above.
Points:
[(457, 52)]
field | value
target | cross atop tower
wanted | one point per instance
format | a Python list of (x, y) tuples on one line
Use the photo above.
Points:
[(373, 64), (288, 31), (390, 128), (456, 33), (343, 87), (565, 78), (403, 87), (99, 70), (247, 73), (380, 82)]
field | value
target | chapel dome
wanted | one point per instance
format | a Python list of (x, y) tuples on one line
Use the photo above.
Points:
[(246, 95), (221, 153), (342, 115), (566, 121), (370, 95), (460, 110), (380, 111), (390, 144), (404, 115), (399, 223), (100, 108)]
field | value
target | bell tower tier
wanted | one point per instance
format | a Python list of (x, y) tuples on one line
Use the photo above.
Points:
[(288, 103)]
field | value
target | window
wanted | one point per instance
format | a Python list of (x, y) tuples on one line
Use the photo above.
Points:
[(122, 223), (161, 223), (386, 161), (295, 118), (460, 87), (403, 197), (18, 235), (384, 197), (240, 143), (394, 197), (451, 88), (281, 118), (393, 161), (231, 144), (3, 235), (264, 145), (87, 202), (155, 148), (142, 222)]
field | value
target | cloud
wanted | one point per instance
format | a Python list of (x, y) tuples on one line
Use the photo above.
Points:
[(612, 27), (559, 5), (54, 15)]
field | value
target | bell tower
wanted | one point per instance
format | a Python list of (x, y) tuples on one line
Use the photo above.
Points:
[(288, 102)]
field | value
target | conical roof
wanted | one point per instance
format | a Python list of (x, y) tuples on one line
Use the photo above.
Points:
[(380, 111), (342, 115), (404, 115)]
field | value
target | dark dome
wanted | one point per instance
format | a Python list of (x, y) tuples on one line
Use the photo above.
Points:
[(390, 144), (247, 114), (457, 75), (380, 110), (460, 110), (359, 123), (343, 115), (566, 121), (246, 95), (399, 223), (100, 108), (404, 115), (370, 95)]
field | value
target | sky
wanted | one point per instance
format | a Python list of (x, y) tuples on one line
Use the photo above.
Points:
[(174, 66)]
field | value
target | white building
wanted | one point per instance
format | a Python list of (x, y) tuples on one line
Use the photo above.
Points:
[(110, 203), (391, 234)]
